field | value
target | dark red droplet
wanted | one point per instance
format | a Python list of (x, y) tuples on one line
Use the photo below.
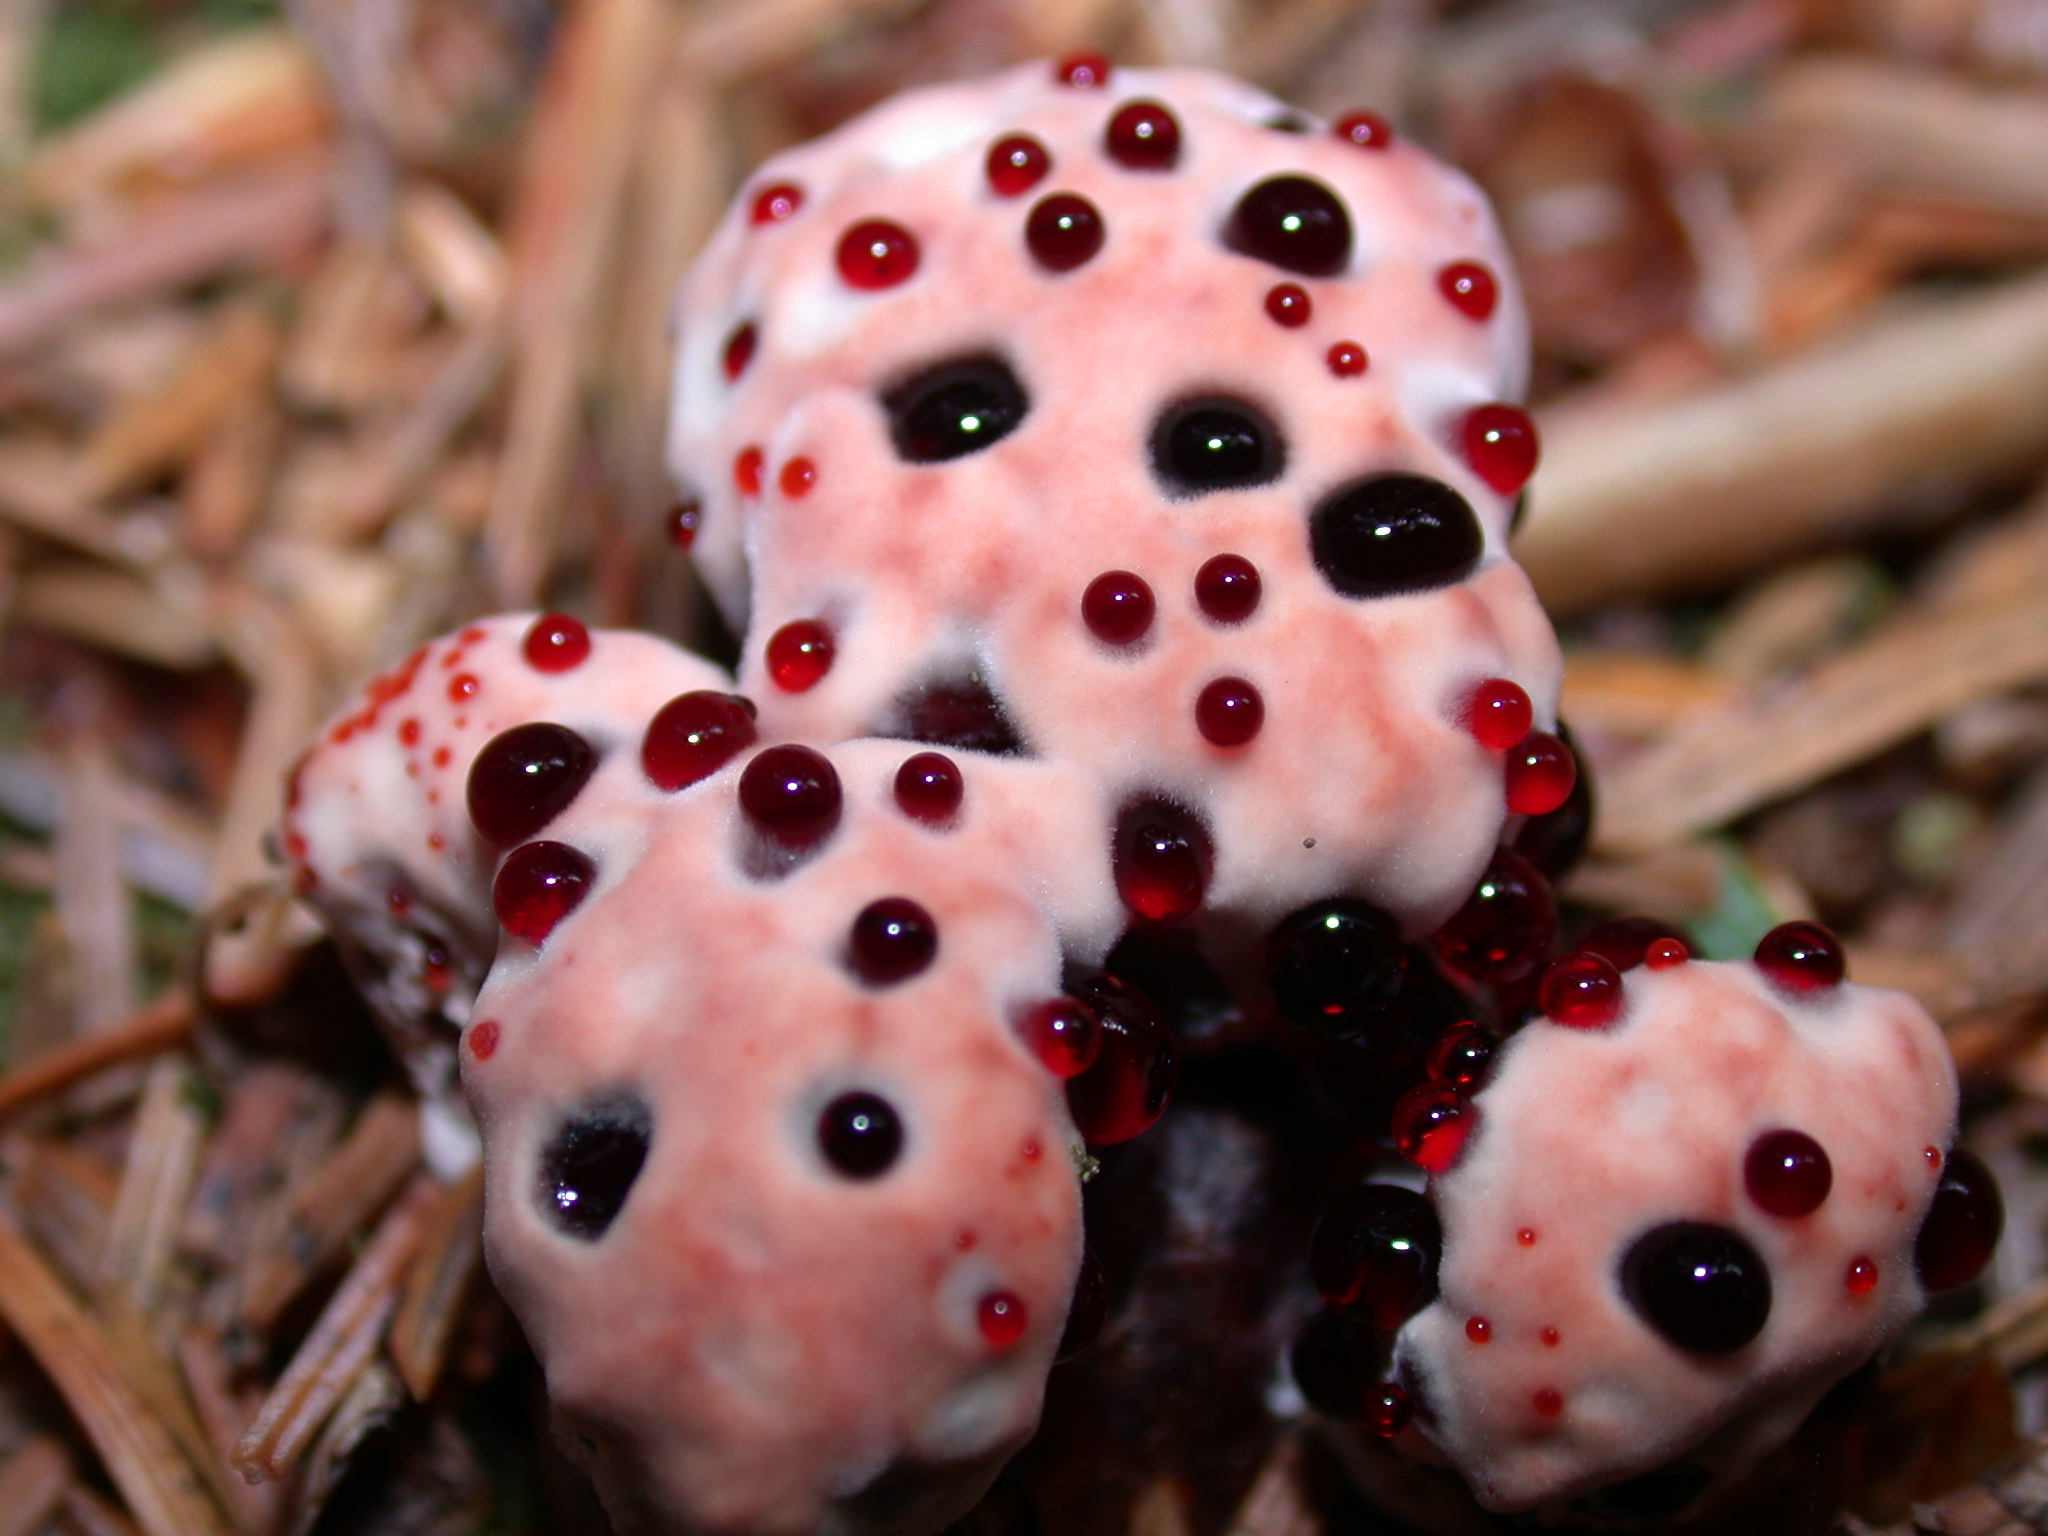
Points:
[(1861, 1278), (1787, 1173), (1540, 774), (1499, 442), (798, 476), (1962, 1226), (683, 519), (1387, 1410), (739, 350), (1063, 231), (773, 204), (1548, 1402), (538, 885), (1624, 942), (1367, 130), (1227, 588), (1017, 164), (1128, 1087), (1802, 958), (1162, 859), (1462, 1056), (1143, 136), (746, 471), (524, 778), (1374, 1253), (1581, 991), (928, 788), (1478, 1330), (1294, 223), (893, 939), (1090, 1306), (1347, 359), (799, 655), (1551, 1338), (876, 254), (1430, 1123), (1229, 712), (483, 1039), (1064, 1034), (1505, 926), (1083, 71), (694, 735), (1288, 304), (1002, 1319), (792, 794), (556, 643), (1470, 288), (1498, 714), (1117, 607)]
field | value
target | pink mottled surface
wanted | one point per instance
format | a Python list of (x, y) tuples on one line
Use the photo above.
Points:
[(1590, 1138), (926, 571)]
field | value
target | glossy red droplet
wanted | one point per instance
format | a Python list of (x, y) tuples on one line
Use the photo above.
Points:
[(1665, 953), (524, 778), (1288, 304), (1540, 774), (1083, 71), (1430, 1123), (739, 350), (1498, 714), (1131, 1081), (746, 471), (1963, 1224), (892, 940), (792, 794), (1227, 588), (1551, 1338), (483, 1039), (1229, 712), (877, 254), (1367, 130), (1347, 359), (1506, 925), (1064, 1034), (798, 476), (463, 687), (1002, 1319), (773, 204), (1932, 1155), (1470, 288), (1499, 442), (408, 736), (1861, 1278), (556, 643), (694, 735), (1624, 942), (799, 654), (1478, 1329), (1787, 1173), (538, 885), (1161, 859), (1461, 1056), (1548, 1402), (1017, 164), (1526, 1236), (1387, 1410), (1802, 958), (683, 519), (1142, 136), (1580, 991), (1063, 231), (928, 788), (1117, 607)]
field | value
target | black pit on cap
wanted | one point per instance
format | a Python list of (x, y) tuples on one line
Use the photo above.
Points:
[(1390, 534), (1215, 443), (589, 1165), (958, 710), (1703, 1287), (954, 409)]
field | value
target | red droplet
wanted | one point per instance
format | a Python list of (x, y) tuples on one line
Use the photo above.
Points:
[(1580, 991), (1540, 774), (538, 885), (746, 471), (1128, 1087), (409, 733), (1505, 926), (799, 654), (1347, 359), (1802, 958), (1288, 304), (1227, 588), (893, 939), (1387, 1410), (399, 900), (483, 1039), (1861, 1279), (1499, 442), (442, 758), (1083, 71), (1063, 231), (1962, 1225), (1162, 859), (1461, 1056), (1478, 1329), (1002, 1319), (877, 254), (1470, 288), (1064, 1034), (1143, 136), (1548, 1402), (928, 788), (739, 350), (694, 735), (792, 794), (1665, 953), (1526, 1237), (1551, 1338), (1787, 1173), (463, 685), (556, 643), (1229, 712), (1933, 1156), (1367, 130), (524, 778), (1624, 942), (1017, 164), (1430, 1123), (683, 518), (1117, 607), (436, 842), (798, 476), (1498, 714), (773, 204)]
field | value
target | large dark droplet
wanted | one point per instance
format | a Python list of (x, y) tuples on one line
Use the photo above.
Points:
[(1215, 444), (524, 778), (588, 1166), (1168, 966), (1374, 1253), (1703, 1287), (1555, 841), (1161, 857), (954, 409), (860, 1134), (1129, 1085), (1336, 1361), (1391, 534), (1335, 965), (1088, 1309), (956, 712), (1293, 223), (1962, 1225)]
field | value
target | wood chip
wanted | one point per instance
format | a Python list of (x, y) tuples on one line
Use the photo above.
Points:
[(32, 1482), (93, 902), (451, 1252), (162, 1025), (156, 1183), (116, 612), (1634, 693), (92, 1515)]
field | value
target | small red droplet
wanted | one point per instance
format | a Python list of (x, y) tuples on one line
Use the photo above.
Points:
[(1933, 1156), (1540, 774), (694, 735), (1802, 958), (1032, 1151), (538, 885), (1017, 164), (1117, 607), (1470, 288), (746, 471), (1498, 714), (1064, 1034), (1665, 953), (1862, 1276), (1551, 1338), (928, 788), (1367, 130), (409, 733), (1347, 359), (798, 476), (1227, 588), (1387, 1410), (1229, 712), (773, 204), (739, 350), (1063, 231), (1548, 1402), (1143, 136), (1288, 304), (483, 1039), (463, 685), (1499, 442), (1787, 1173), (792, 794), (1083, 71), (1478, 1329), (799, 654), (399, 900), (556, 643), (1161, 859), (1002, 1319), (877, 254), (1581, 991), (1526, 1237), (436, 841), (1430, 1123), (683, 518), (442, 757)]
